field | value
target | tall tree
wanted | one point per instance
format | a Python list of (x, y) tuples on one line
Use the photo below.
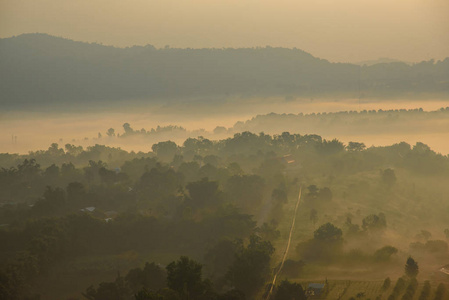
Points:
[(184, 276), (251, 267), (411, 267)]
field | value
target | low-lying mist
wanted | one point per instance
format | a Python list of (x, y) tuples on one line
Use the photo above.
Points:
[(24, 131)]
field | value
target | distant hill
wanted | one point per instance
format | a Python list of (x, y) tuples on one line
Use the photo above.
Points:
[(382, 60), (38, 69)]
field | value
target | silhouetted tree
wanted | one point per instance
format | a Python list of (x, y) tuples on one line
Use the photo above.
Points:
[(411, 267), (289, 291), (386, 284), (116, 290), (185, 277), (425, 292), (251, 267), (355, 146), (440, 292)]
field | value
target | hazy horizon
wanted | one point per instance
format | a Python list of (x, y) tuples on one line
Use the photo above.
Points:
[(347, 31)]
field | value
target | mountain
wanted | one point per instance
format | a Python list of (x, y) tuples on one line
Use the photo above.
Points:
[(38, 69), (382, 60)]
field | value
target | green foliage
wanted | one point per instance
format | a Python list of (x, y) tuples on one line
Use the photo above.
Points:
[(411, 267), (165, 150), (374, 223), (384, 254), (159, 183), (355, 147), (318, 194), (411, 289), (440, 292), (167, 208), (221, 256), (330, 147), (325, 246), (151, 278), (204, 193), (398, 288), (245, 191), (387, 283), (185, 277), (268, 231), (328, 233), (287, 290), (425, 292), (116, 290), (251, 267)]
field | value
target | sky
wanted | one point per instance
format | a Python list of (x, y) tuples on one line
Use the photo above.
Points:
[(337, 30)]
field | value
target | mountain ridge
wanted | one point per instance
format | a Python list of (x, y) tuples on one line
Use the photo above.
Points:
[(43, 69)]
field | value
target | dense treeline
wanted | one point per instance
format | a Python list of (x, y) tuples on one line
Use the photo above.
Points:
[(222, 203), (37, 68), (377, 122)]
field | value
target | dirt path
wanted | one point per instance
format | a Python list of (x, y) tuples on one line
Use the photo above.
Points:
[(292, 227)]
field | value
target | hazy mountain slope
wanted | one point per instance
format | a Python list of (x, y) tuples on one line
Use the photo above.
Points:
[(42, 69)]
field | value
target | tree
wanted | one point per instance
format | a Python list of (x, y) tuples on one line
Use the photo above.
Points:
[(151, 278), (373, 223), (221, 256), (184, 276), (331, 147), (411, 267), (52, 172), (251, 266), (159, 182), (165, 150), (110, 132), (204, 193), (52, 202), (355, 147), (312, 192), (384, 253), (440, 292), (116, 290), (128, 129), (387, 283), (246, 191), (425, 292), (289, 291), (279, 195), (398, 288), (411, 289), (328, 233), (326, 244)]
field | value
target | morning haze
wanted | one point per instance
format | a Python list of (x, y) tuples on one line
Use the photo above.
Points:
[(341, 31), (224, 150)]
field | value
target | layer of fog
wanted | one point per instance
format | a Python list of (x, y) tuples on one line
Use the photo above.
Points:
[(23, 131)]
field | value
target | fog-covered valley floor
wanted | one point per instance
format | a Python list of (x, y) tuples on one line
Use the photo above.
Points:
[(23, 131)]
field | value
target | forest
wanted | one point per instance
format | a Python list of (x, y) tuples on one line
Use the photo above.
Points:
[(39, 69), (209, 219)]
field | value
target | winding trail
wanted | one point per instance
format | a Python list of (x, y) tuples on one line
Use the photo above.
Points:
[(287, 248)]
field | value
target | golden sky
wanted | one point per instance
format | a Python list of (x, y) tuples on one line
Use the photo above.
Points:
[(337, 30)]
